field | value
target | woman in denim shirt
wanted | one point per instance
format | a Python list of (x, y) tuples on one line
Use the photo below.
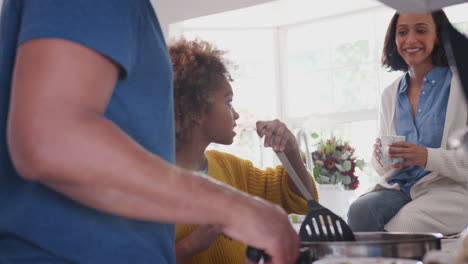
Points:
[(426, 192)]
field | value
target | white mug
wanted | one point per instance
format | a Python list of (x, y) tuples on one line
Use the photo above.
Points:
[(386, 140)]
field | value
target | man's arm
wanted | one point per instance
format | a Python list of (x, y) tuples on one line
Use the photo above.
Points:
[(57, 135)]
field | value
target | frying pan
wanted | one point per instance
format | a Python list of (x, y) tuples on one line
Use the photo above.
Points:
[(373, 244)]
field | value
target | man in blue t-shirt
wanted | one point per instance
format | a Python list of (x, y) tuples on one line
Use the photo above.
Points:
[(87, 142)]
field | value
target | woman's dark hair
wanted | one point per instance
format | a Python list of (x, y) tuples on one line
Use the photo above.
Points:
[(198, 68), (392, 60)]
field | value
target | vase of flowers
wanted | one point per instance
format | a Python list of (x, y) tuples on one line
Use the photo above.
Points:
[(334, 167), (335, 163)]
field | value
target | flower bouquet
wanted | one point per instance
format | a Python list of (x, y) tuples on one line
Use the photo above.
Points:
[(335, 163)]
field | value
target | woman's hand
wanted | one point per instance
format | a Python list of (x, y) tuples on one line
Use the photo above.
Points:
[(283, 139), (198, 241), (412, 153), (378, 151)]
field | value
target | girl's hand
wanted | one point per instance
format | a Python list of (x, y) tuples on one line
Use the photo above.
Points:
[(412, 153), (277, 135)]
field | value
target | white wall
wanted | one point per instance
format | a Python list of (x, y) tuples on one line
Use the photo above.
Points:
[(172, 11)]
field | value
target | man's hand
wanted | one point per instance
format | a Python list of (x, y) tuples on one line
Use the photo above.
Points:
[(267, 228)]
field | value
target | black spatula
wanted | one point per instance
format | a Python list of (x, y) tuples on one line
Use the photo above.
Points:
[(320, 224)]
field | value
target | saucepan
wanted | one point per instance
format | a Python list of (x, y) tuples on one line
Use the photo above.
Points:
[(403, 245)]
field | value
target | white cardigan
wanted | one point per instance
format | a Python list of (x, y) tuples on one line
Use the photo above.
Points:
[(440, 199)]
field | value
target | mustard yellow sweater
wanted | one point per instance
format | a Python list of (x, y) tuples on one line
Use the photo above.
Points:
[(270, 184)]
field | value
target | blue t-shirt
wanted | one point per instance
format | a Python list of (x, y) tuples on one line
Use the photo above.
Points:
[(427, 127), (38, 225)]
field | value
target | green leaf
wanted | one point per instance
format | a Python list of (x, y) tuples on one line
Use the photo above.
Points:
[(323, 171), (333, 179), (324, 179), (339, 167), (346, 180), (347, 165), (339, 177), (316, 173), (314, 135), (328, 150), (360, 163), (293, 218), (345, 155)]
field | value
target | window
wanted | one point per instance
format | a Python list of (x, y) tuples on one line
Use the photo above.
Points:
[(331, 66), (334, 78), (321, 74)]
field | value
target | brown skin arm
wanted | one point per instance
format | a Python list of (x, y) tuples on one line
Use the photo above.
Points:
[(57, 135), (280, 138)]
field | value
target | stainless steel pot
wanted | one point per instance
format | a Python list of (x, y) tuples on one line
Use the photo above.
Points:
[(373, 244)]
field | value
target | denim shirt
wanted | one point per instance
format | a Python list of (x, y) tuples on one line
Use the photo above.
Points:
[(426, 127)]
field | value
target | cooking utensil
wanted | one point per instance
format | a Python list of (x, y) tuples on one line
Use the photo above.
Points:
[(405, 245), (373, 244), (320, 224)]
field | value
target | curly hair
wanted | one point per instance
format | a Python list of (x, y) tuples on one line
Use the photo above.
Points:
[(393, 61), (198, 67)]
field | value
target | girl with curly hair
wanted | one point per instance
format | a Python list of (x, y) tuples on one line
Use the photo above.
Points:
[(204, 114)]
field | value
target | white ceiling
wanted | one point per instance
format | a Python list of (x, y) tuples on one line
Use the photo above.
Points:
[(172, 11), (420, 6), (281, 12)]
